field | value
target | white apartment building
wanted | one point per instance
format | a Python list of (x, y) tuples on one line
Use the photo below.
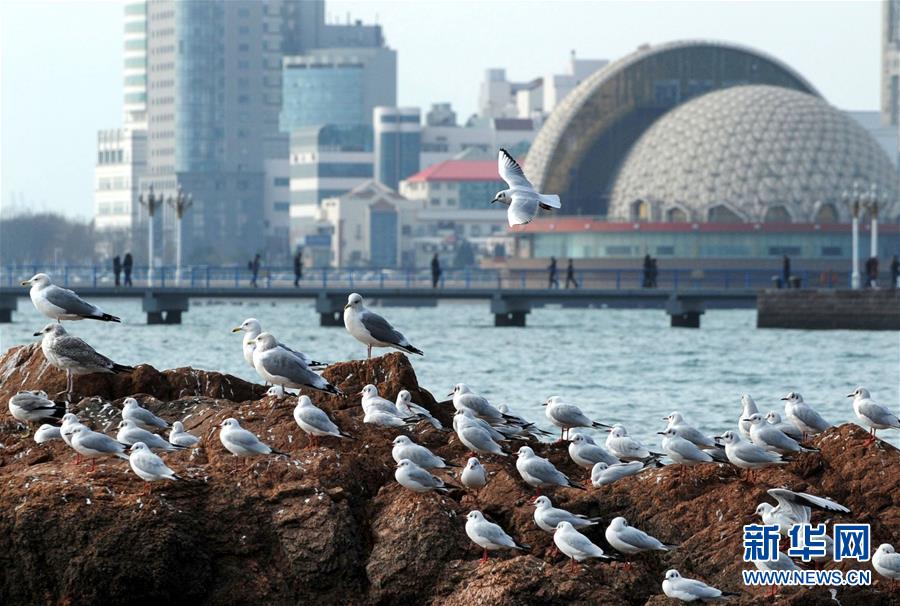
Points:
[(120, 164)]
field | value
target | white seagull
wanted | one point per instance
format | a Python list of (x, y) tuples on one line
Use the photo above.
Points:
[(539, 473), (405, 448), (179, 437), (415, 478), (748, 407), (603, 474), (372, 330), (314, 421), (132, 410), (252, 328), (566, 416), (130, 434), (630, 540), (47, 432), (148, 466), (873, 415), (585, 453), (473, 475), (747, 455), (575, 545), (73, 355), (794, 508), (33, 406), (521, 197), (683, 589), (886, 562), (279, 365), (803, 415), (92, 445), (60, 303), (242, 443), (489, 536), (548, 517)]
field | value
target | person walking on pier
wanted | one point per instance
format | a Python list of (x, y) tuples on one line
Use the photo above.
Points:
[(253, 266), (117, 268), (553, 281), (895, 271), (648, 268), (435, 270), (298, 267), (127, 265), (872, 272), (786, 272), (570, 275)]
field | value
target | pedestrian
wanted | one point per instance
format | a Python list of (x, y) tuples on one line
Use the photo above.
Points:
[(127, 265), (435, 270), (570, 275), (895, 271), (786, 271), (551, 269), (654, 271), (253, 266), (298, 267), (117, 268), (648, 267), (872, 272)]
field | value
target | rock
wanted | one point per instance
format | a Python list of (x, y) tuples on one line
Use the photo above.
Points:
[(330, 526)]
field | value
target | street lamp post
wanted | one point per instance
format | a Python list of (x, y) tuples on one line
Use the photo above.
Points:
[(873, 211), (152, 202), (180, 203)]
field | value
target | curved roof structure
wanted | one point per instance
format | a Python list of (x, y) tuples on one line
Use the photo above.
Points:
[(751, 154), (580, 147)]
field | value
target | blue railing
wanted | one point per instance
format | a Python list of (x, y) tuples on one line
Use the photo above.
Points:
[(203, 276)]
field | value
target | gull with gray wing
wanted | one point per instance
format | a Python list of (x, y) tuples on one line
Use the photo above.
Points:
[(372, 330), (521, 197), (60, 303), (73, 355)]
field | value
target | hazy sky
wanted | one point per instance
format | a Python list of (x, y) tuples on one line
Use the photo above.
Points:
[(60, 70)]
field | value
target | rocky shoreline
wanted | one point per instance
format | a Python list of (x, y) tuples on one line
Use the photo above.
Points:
[(331, 526)]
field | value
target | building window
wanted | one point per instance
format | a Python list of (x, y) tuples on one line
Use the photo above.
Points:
[(777, 214), (282, 207), (827, 213), (832, 251), (723, 214), (640, 210), (663, 251), (676, 215), (281, 181), (435, 202)]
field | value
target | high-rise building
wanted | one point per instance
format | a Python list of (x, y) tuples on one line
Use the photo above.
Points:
[(890, 62), (337, 86), (135, 64), (120, 165), (398, 141)]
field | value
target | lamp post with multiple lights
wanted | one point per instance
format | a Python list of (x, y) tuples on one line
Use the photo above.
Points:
[(180, 203), (151, 202)]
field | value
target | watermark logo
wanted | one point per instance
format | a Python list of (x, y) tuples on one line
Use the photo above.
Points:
[(808, 542), (852, 542), (761, 542)]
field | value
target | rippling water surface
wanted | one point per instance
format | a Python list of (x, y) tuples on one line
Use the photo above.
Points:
[(626, 366)]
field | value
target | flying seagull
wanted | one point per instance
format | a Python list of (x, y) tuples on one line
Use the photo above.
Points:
[(371, 329), (60, 303), (521, 197)]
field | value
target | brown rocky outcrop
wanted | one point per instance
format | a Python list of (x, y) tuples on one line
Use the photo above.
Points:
[(330, 525)]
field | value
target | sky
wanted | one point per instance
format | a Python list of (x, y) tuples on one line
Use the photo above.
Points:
[(60, 63)]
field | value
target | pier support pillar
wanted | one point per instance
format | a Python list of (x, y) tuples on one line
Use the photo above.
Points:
[(684, 313), (509, 312), (164, 308), (330, 310), (8, 304)]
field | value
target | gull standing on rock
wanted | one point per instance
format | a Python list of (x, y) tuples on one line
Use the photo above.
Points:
[(748, 407), (747, 455), (314, 421), (803, 415), (489, 536), (73, 355), (585, 453), (252, 328), (789, 429), (794, 508), (566, 416), (279, 365), (886, 562), (683, 589), (548, 517), (521, 197), (682, 451), (464, 397), (630, 540), (242, 443), (47, 432), (575, 545), (773, 439), (874, 416), (91, 444), (539, 473), (371, 329), (405, 448), (603, 474), (626, 448), (148, 466), (407, 408), (474, 437), (415, 478), (688, 432), (473, 475), (130, 434), (60, 303), (69, 422), (179, 437), (133, 411), (33, 406)]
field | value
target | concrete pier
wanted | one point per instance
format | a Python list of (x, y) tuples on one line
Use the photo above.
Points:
[(509, 311), (164, 308), (330, 309), (8, 304), (867, 309), (684, 313)]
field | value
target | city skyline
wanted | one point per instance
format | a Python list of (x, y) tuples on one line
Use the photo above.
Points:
[(39, 134)]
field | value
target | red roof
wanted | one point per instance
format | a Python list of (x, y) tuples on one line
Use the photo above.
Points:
[(563, 224), (459, 170)]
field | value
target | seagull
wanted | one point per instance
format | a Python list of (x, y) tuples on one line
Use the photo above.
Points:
[(585, 453), (626, 448), (521, 197), (782, 563), (680, 588), (688, 432), (314, 421), (33, 406), (539, 473), (575, 545), (69, 422), (179, 437), (489, 536), (69, 353), (886, 562), (474, 437), (130, 434), (91, 444), (603, 474), (405, 448), (372, 401), (566, 416), (148, 466), (747, 455), (371, 329), (682, 451), (473, 475), (279, 365), (408, 409), (773, 439), (242, 443), (466, 416), (47, 432), (789, 429), (803, 415), (59, 303), (133, 411), (464, 397), (385, 419), (748, 407), (548, 517), (252, 328), (629, 540), (794, 508), (415, 478), (873, 415)]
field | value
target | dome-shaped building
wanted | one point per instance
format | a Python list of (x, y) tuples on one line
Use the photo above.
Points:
[(751, 154)]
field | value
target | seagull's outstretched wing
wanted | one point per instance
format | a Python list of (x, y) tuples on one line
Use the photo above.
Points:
[(511, 172), (790, 499)]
